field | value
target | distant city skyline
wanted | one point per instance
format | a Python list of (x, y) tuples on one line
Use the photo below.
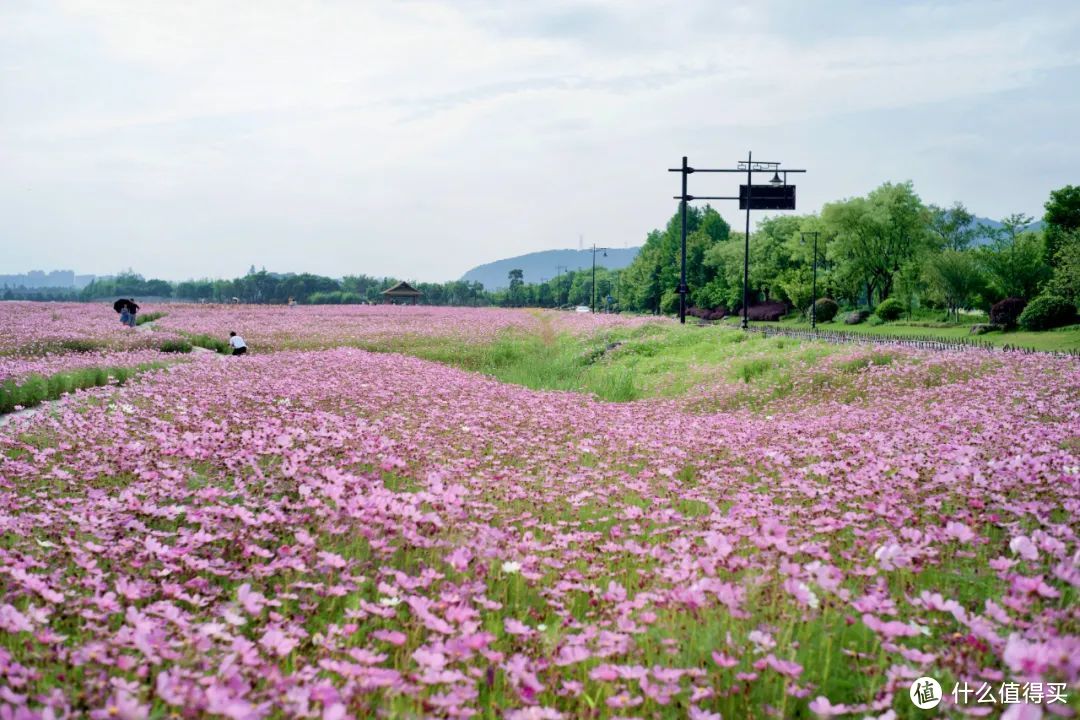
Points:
[(420, 139)]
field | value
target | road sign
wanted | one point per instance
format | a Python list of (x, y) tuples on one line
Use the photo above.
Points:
[(768, 197)]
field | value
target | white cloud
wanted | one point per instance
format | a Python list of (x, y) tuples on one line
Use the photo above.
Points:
[(422, 138)]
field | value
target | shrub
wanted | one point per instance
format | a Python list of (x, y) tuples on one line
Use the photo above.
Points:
[(983, 328), (826, 309), (1046, 312), (211, 343), (706, 314), (874, 321), (856, 316), (890, 309), (175, 345), (80, 345), (1007, 312), (767, 311), (148, 317)]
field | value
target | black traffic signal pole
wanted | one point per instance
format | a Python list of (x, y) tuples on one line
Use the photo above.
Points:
[(749, 167)]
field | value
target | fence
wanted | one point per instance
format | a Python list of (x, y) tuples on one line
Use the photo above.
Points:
[(923, 342)]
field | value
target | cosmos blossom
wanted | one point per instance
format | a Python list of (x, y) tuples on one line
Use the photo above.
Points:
[(320, 531)]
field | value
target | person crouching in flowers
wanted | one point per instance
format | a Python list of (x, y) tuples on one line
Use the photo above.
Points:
[(239, 347)]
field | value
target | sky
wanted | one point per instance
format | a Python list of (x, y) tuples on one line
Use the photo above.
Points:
[(419, 139)]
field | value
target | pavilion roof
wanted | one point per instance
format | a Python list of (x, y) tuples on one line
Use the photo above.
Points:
[(402, 289)]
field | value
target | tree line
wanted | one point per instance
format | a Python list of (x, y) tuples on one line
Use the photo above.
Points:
[(886, 244)]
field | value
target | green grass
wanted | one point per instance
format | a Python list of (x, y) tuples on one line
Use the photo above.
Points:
[(148, 317), (1062, 339), (210, 343), (36, 389), (623, 364), (175, 345)]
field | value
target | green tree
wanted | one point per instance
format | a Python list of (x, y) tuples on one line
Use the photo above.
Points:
[(1066, 280), (1015, 260), (1062, 217), (956, 277), (651, 280), (954, 228), (515, 295), (876, 235)]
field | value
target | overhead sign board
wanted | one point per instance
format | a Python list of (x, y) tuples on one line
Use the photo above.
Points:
[(767, 197)]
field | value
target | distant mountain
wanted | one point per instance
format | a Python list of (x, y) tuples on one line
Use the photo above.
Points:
[(544, 265), (996, 225)]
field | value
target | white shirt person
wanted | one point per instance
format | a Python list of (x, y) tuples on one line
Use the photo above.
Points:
[(239, 347)]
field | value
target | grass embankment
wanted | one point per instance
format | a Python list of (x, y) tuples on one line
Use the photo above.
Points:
[(36, 389), (148, 317), (1060, 340), (622, 364), (209, 342)]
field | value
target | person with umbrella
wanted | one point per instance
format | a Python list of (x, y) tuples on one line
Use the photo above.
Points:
[(127, 309)]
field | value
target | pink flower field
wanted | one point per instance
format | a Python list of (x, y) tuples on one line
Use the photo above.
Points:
[(320, 531)]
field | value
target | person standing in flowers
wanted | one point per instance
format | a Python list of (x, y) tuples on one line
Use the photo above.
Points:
[(239, 347), (125, 314), (132, 309)]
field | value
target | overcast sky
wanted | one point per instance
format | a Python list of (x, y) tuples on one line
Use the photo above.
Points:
[(418, 139)]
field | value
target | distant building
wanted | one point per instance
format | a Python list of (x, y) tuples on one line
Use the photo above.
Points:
[(40, 279), (403, 292)]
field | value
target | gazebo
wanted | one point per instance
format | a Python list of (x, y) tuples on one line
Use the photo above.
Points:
[(402, 291)]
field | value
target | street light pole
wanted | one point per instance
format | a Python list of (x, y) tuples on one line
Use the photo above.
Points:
[(746, 244), (813, 299), (771, 200), (594, 249), (683, 289), (558, 284)]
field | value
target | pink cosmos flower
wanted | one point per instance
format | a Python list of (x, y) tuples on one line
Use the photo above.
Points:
[(390, 636), (1022, 546), (513, 626), (277, 642), (724, 661), (252, 601), (821, 707), (959, 532)]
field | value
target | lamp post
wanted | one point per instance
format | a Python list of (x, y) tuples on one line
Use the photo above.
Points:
[(813, 292), (776, 195), (558, 284), (594, 249)]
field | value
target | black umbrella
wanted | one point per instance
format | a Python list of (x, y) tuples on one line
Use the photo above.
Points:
[(120, 304)]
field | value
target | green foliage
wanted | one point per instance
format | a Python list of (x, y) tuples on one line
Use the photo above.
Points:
[(126, 284), (1066, 279), (1046, 312), (210, 342), (144, 318), (955, 277), (334, 297), (175, 345), (80, 345), (515, 295), (954, 228), (36, 389), (652, 278), (825, 309), (1015, 260), (890, 309), (876, 235), (1062, 218)]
